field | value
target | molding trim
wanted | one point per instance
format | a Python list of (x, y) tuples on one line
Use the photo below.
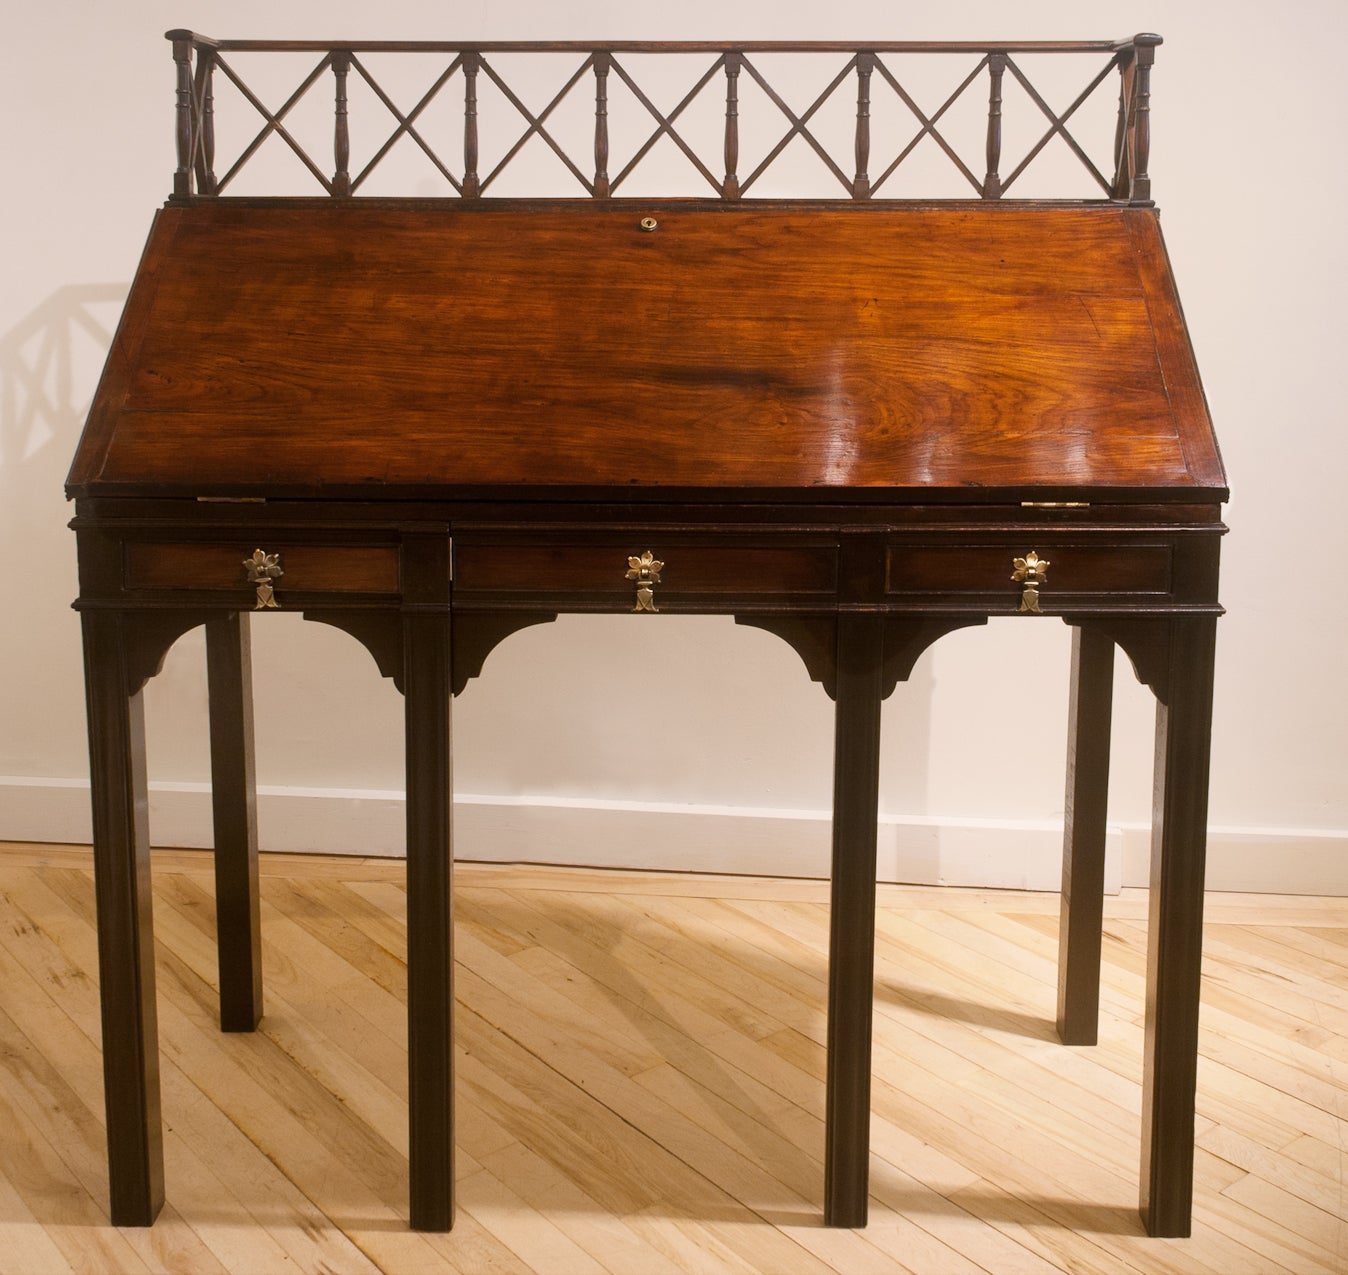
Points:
[(919, 850)]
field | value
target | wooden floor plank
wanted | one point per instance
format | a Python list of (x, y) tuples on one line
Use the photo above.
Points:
[(640, 1081), (1327, 1159), (538, 1242), (1323, 1191), (609, 1238), (1319, 1237), (298, 1235)]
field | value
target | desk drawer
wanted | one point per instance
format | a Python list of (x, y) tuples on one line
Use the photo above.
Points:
[(305, 568), (1068, 570), (683, 570)]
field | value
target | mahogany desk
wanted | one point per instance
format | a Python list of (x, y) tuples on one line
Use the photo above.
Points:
[(856, 425)]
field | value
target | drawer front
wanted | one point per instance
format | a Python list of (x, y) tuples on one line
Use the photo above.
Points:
[(684, 570), (1069, 570), (304, 568)]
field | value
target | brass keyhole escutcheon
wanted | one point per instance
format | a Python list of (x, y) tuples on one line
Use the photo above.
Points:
[(648, 223), (1030, 572), (645, 573), (262, 569)]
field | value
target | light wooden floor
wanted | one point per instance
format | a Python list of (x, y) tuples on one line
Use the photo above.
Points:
[(640, 1082)]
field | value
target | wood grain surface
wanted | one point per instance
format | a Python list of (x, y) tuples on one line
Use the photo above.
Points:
[(641, 1081), (829, 352)]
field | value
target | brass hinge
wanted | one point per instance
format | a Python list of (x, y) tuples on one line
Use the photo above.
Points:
[(1055, 504), (232, 500)]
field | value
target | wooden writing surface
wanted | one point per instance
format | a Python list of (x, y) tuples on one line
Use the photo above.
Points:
[(844, 352)]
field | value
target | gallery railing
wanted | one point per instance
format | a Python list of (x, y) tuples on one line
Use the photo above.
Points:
[(869, 69)]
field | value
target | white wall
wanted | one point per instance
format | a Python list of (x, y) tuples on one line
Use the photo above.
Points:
[(558, 756)]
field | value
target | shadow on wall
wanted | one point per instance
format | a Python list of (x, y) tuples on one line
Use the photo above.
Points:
[(49, 367)]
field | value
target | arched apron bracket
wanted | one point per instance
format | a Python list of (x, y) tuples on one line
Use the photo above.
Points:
[(907, 637), (478, 633), (813, 637), (149, 636), (379, 632), (1146, 641)]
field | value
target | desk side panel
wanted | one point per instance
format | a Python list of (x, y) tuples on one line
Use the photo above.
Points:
[(109, 398), (1174, 350)]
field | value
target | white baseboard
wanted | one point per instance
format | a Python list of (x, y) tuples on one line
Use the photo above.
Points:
[(926, 850)]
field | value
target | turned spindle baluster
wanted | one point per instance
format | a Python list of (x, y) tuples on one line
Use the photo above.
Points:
[(730, 189), (861, 183), (182, 58), (205, 97), (471, 183), (601, 68), (992, 182), (341, 140), (1146, 55), (1123, 161)]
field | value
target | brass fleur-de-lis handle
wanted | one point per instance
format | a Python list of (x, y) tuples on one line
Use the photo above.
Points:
[(645, 571), (1030, 572), (262, 569)]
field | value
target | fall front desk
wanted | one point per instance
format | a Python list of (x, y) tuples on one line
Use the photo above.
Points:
[(857, 425)]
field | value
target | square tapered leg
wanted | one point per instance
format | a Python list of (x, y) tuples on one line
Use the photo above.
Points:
[(125, 927), (1175, 929), (430, 940), (229, 679), (1083, 870), (856, 787)]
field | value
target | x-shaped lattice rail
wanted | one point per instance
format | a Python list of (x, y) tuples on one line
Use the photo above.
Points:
[(798, 125), (928, 123), (1132, 59), (273, 124), (536, 123), (665, 124), (1057, 123), (407, 123)]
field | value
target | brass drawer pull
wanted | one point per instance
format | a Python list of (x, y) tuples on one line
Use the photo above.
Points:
[(262, 569), (645, 571), (1030, 572)]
